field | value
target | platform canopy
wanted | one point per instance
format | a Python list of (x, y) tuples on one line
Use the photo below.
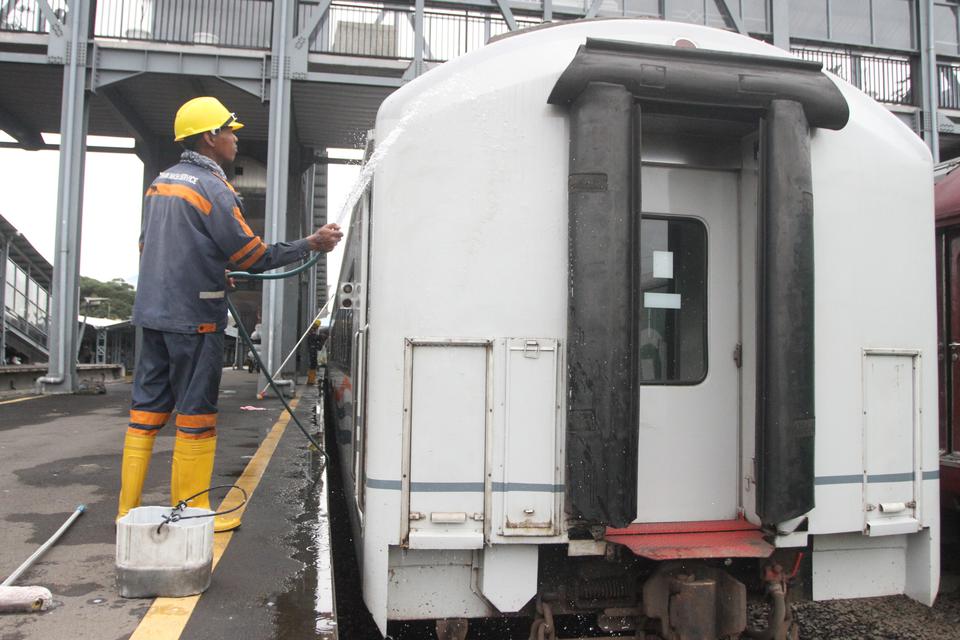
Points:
[(324, 114)]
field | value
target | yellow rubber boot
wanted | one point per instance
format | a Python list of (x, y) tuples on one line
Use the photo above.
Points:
[(191, 473), (137, 449)]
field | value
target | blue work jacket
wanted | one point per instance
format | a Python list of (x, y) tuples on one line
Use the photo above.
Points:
[(193, 230)]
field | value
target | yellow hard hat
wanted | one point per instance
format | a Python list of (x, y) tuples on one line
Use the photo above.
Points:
[(202, 114)]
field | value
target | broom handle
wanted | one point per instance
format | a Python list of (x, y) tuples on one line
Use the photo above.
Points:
[(43, 548)]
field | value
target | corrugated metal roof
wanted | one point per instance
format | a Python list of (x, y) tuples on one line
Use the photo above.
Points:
[(100, 323), (38, 106), (335, 115), (324, 114)]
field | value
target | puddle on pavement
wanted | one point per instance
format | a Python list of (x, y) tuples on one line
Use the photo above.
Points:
[(295, 609), (304, 609)]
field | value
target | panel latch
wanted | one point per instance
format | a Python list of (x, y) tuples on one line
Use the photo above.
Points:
[(531, 349)]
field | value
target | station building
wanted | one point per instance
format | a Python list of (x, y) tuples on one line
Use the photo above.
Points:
[(106, 346), (25, 296)]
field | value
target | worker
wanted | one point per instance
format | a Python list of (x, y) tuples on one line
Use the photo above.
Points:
[(193, 230), (314, 343)]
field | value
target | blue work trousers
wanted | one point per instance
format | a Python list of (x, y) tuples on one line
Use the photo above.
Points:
[(177, 371)]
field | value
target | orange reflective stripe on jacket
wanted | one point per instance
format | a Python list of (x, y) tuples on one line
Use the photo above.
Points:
[(252, 260), (243, 223), (247, 248), (183, 192)]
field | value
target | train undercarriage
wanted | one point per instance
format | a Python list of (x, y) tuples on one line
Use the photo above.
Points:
[(620, 595)]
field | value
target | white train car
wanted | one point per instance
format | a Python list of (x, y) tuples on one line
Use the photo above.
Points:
[(633, 314)]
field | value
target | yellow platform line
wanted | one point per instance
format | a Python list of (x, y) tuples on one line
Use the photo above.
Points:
[(167, 617), (20, 399)]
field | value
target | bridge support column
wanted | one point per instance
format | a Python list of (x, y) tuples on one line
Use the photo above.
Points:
[(275, 305), (62, 371), (4, 253), (929, 80), (780, 23), (311, 186)]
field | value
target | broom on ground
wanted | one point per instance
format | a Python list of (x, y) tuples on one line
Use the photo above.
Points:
[(30, 599)]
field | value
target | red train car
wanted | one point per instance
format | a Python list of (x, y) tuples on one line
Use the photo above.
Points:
[(947, 194)]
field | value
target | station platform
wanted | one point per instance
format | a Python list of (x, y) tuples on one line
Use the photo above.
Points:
[(271, 579)]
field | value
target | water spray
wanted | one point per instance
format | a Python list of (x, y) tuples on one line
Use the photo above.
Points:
[(412, 111)]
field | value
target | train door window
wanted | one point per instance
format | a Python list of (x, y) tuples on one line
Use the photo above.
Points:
[(673, 315)]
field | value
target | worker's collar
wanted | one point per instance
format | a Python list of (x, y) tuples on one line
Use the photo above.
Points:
[(200, 160)]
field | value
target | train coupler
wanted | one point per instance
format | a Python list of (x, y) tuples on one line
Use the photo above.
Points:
[(781, 625)]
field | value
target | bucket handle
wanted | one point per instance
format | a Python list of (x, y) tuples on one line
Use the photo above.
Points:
[(177, 513)]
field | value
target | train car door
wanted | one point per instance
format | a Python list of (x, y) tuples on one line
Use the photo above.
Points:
[(949, 278), (689, 332)]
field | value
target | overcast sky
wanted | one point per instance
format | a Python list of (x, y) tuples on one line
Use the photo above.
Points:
[(111, 207)]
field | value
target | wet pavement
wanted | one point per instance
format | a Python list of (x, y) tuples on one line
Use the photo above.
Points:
[(60, 451)]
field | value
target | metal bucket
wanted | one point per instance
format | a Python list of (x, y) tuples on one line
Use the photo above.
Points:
[(172, 560)]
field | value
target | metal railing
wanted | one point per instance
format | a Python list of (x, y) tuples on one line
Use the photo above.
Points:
[(378, 30), (355, 29), (25, 16), (948, 84), (246, 24), (388, 31), (33, 333), (885, 78)]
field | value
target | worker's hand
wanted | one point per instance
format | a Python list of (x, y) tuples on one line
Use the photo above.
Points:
[(231, 282), (325, 238)]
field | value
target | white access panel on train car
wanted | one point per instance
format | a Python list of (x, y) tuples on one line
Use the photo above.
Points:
[(531, 417), (891, 442), (688, 441), (446, 425)]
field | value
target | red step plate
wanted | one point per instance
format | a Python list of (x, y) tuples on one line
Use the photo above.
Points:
[(684, 540)]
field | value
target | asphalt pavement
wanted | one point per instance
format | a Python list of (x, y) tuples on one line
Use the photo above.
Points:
[(60, 451)]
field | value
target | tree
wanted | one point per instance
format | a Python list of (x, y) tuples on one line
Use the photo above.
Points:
[(113, 299)]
